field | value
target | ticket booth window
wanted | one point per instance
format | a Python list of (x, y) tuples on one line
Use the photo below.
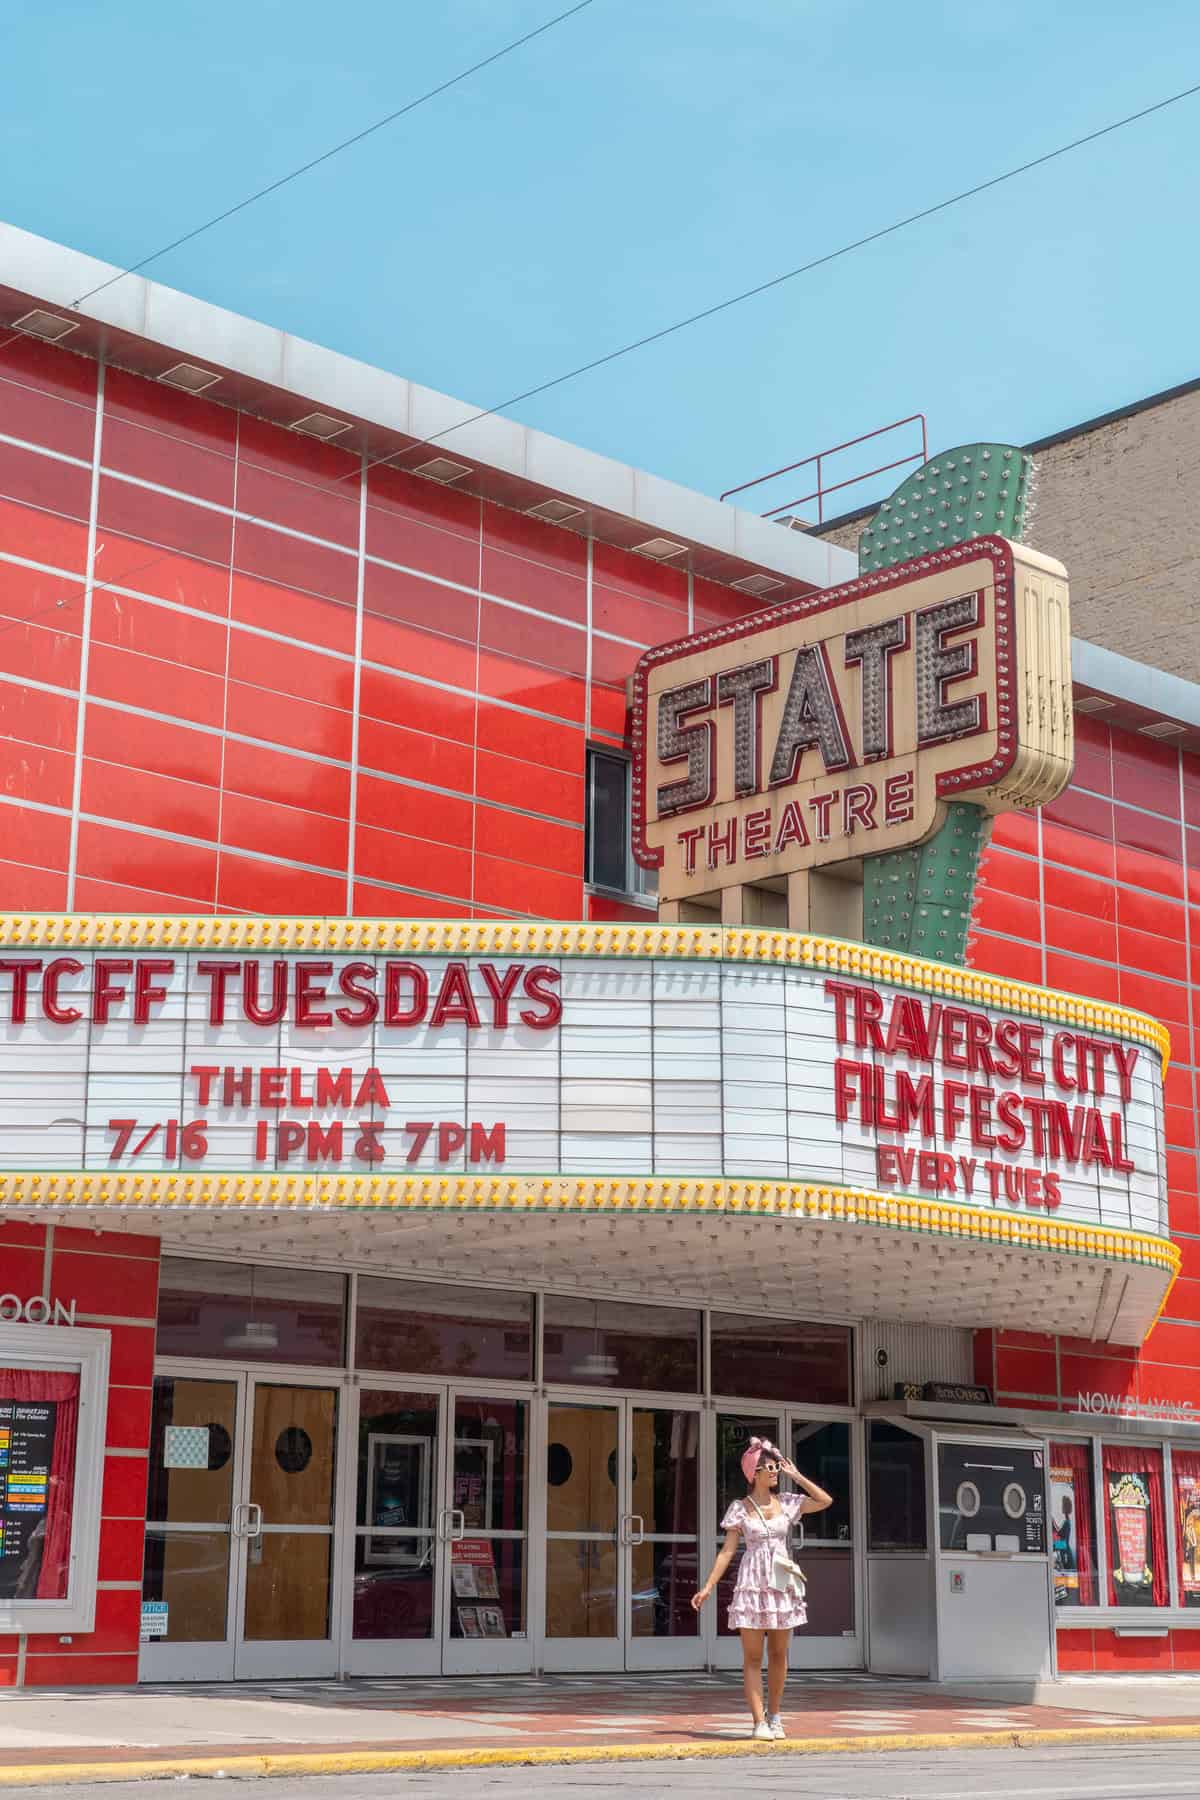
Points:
[(52, 1384), (896, 1489)]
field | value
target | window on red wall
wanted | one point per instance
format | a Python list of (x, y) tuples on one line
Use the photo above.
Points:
[(1134, 1523), (1073, 1534), (1185, 1508), (39, 1414)]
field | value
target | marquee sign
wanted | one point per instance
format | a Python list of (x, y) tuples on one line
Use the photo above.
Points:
[(384, 1064), (840, 725)]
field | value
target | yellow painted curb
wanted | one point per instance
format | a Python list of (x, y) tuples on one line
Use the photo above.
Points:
[(363, 1762)]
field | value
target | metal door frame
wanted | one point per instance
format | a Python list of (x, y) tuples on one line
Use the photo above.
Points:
[(266, 1659), (438, 1653), (236, 1658), (845, 1652), (622, 1651)]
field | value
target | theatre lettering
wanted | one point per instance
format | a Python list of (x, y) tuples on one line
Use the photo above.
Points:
[(839, 725), (1078, 1132)]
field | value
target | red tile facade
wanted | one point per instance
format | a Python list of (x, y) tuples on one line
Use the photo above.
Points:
[(246, 739), (221, 727), (1099, 895)]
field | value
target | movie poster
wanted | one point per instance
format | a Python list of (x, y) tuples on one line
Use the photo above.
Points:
[(1129, 1538), (1064, 1530), (26, 1451), (1187, 1497)]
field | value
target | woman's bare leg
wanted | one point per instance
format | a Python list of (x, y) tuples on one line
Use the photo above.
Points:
[(778, 1644), (752, 1656)]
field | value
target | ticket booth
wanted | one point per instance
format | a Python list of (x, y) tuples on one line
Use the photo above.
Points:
[(959, 1576)]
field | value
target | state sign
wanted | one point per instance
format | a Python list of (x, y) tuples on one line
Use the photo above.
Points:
[(839, 725)]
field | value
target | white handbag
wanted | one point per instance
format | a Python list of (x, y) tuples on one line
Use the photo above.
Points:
[(787, 1577)]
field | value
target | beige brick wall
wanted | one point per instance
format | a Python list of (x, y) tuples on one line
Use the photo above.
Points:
[(1120, 506)]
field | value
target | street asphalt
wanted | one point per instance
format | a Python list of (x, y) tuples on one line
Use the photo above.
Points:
[(1099, 1772)]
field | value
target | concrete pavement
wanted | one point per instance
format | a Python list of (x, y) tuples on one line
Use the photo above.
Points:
[(355, 1727)]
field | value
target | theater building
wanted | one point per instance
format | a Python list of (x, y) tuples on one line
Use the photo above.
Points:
[(411, 1197)]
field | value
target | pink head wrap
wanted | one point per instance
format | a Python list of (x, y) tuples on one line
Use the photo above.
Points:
[(758, 1448)]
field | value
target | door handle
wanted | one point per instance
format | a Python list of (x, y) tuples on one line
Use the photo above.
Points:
[(253, 1520), (235, 1519), (636, 1523), (457, 1531)]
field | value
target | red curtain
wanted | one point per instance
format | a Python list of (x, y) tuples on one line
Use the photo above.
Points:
[(61, 1387), (1129, 1459), (1078, 1458), (1185, 1465)]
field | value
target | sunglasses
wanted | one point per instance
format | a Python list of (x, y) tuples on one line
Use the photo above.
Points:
[(768, 1468)]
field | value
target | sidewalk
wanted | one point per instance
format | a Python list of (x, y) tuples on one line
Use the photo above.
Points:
[(327, 1726)]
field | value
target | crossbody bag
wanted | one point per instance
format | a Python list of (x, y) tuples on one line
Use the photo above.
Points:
[(787, 1577)]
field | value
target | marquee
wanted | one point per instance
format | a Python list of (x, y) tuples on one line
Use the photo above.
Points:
[(327, 1065)]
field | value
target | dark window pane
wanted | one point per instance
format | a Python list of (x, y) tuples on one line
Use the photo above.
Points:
[(604, 1343), (781, 1359), (432, 1328), (608, 821), (489, 1464), (250, 1314), (397, 1468), (664, 1470), (895, 1487), (393, 1586), (822, 1452)]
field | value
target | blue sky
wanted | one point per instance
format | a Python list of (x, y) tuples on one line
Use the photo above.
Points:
[(637, 163)]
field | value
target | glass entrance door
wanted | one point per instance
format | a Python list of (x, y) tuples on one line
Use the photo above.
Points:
[(285, 1527), (621, 1535), (237, 1577), (440, 1567), (735, 1428), (827, 1451), (189, 1573)]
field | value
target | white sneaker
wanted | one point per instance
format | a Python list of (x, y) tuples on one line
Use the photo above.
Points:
[(775, 1724), (762, 1730)]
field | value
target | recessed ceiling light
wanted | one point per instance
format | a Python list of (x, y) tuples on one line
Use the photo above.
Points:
[(660, 548), (190, 377), (1163, 729), (1093, 703), (556, 512), (47, 325), (757, 584), (441, 468), (321, 425)]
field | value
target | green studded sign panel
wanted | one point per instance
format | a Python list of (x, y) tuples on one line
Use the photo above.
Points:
[(919, 901), (969, 492)]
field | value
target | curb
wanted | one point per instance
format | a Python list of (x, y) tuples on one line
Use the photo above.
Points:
[(361, 1762)]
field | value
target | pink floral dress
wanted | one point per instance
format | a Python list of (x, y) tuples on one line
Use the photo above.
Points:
[(756, 1605)]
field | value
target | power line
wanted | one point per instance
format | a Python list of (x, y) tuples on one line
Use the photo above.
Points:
[(818, 262), (665, 331), (315, 162)]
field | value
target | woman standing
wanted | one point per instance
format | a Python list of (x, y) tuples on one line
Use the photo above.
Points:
[(760, 1610)]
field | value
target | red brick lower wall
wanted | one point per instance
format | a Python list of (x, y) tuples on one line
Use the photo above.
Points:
[(113, 1279)]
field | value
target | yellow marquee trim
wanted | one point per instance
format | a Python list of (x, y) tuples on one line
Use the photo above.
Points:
[(168, 1190), (467, 937)]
